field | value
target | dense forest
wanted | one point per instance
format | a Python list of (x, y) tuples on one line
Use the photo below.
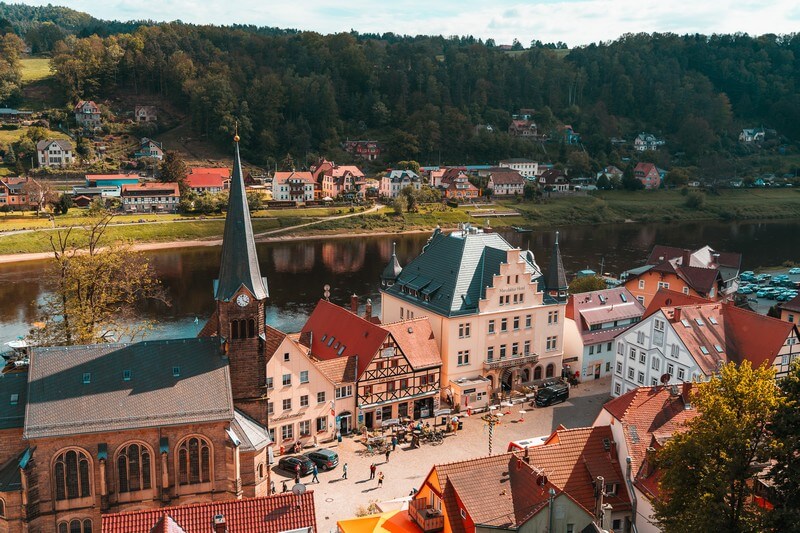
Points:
[(426, 97)]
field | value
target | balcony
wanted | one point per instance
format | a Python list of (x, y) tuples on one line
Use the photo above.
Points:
[(426, 517), (512, 360)]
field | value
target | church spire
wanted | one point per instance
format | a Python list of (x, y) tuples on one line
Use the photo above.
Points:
[(556, 280), (392, 270), (239, 263)]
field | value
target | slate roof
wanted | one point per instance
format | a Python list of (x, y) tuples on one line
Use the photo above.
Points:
[(12, 415), (506, 177), (415, 339), (150, 189), (252, 435), (64, 144), (556, 278), (61, 403), (239, 261), (393, 268), (454, 269), (265, 514), (603, 306), (10, 478)]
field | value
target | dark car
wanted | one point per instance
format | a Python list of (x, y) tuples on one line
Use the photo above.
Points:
[(289, 464), (552, 394), (324, 458)]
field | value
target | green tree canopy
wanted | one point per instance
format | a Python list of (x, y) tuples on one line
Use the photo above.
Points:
[(587, 284), (785, 474)]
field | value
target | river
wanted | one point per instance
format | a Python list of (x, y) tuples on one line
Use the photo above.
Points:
[(298, 270)]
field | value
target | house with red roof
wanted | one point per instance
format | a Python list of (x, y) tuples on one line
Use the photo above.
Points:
[(705, 273), (151, 198), (506, 182), (574, 480), (208, 179), (648, 175), (332, 180), (87, 115), (266, 514), (641, 421), (293, 186), (691, 342), (594, 319), (790, 311), (397, 365)]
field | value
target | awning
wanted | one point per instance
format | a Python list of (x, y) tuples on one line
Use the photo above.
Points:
[(442, 412), (390, 422)]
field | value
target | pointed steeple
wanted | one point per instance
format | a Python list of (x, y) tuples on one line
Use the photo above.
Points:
[(392, 270), (556, 280), (239, 263)]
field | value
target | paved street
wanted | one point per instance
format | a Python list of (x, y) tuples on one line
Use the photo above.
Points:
[(336, 498)]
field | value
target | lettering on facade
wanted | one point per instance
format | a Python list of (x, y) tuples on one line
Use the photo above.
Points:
[(511, 289)]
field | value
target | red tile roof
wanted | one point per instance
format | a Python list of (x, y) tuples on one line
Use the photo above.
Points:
[(667, 298), (223, 172), (281, 177), (195, 181), (791, 305), (416, 340), (267, 514), (339, 370), (506, 177)]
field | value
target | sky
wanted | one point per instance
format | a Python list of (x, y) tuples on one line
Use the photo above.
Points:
[(575, 22)]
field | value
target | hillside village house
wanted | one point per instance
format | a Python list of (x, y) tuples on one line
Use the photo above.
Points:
[(145, 113), (293, 187), (55, 153), (751, 135), (87, 115), (690, 341), (208, 179), (647, 141), (790, 311), (98, 429), (397, 180), (369, 150), (593, 320), (704, 272), (527, 168), (13, 116), (492, 312), (397, 365), (554, 180), (458, 187), (149, 148), (332, 180), (13, 193), (641, 422), (506, 183), (648, 175), (151, 198)]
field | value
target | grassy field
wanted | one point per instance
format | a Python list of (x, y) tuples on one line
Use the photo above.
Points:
[(35, 69), (9, 136)]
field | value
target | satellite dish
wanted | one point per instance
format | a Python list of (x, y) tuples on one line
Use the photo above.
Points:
[(298, 488), (326, 287), (665, 379)]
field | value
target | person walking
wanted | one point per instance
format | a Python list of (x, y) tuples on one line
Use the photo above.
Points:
[(314, 472), (380, 480), (344, 471), (272, 486), (297, 478), (372, 469), (394, 442), (387, 454), (285, 488), (297, 471)]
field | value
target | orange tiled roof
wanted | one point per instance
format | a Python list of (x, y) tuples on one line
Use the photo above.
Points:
[(340, 370), (266, 514), (416, 341), (667, 298), (223, 172)]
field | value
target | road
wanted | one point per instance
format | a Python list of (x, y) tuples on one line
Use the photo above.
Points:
[(337, 498)]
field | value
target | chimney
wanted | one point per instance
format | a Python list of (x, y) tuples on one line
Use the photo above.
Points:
[(354, 304), (687, 258), (649, 461), (676, 314), (687, 391), (368, 310), (613, 451), (599, 488), (219, 524), (606, 521)]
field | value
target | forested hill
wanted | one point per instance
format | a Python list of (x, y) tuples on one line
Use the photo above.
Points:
[(300, 92)]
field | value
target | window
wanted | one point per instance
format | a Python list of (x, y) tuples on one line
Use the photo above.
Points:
[(630, 373), (463, 357), (305, 428), (463, 331), (344, 392), (642, 357), (653, 382), (269, 383), (552, 343), (270, 408), (404, 384), (640, 378), (133, 468), (287, 380), (619, 367), (527, 347), (287, 432), (515, 348), (674, 351), (552, 317), (504, 324), (608, 366), (608, 347), (591, 350), (75, 526), (321, 397), (686, 290), (287, 404), (655, 364), (527, 321), (304, 400), (322, 424), (632, 355), (71, 475), (620, 348), (491, 327), (304, 376), (663, 285), (670, 369), (659, 325), (194, 461), (640, 337), (286, 356), (681, 373), (516, 323), (616, 389), (641, 284), (490, 353)]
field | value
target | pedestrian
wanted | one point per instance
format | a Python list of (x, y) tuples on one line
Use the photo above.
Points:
[(314, 472), (372, 469), (394, 442), (344, 471), (272, 487), (387, 455), (297, 478), (380, 480), (285, 488), (297, 471)]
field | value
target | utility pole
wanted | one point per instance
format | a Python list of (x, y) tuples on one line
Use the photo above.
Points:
[(490, 419)]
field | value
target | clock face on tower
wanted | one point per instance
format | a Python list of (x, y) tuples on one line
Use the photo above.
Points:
[(242, 300)]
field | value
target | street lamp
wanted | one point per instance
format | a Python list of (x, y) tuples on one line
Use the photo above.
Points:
[(490, 419)]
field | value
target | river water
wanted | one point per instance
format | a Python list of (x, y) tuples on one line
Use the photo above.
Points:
[(297, 270)]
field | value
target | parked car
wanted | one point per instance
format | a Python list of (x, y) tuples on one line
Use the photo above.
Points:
[(290, 462), (324, 458), (552, 394)]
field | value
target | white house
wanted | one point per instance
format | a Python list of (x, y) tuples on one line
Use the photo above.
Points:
[(506, 183), (54, 153), (293, 186), (396, 181), (751, 135), (526, 167), (647, 141)]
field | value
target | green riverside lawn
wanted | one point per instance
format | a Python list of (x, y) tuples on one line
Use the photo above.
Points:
[(602, 207)]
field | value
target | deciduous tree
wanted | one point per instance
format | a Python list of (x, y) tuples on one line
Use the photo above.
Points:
[(785, 473), (587, 284)]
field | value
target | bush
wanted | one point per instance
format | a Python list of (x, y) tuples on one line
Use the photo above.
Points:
[(695, 200)]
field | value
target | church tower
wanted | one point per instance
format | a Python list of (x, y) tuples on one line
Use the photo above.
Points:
[(240, 294), (556, 279)]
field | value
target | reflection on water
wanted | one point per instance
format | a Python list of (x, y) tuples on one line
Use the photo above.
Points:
[(297, 270)]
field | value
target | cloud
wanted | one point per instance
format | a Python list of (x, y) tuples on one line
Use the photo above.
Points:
[(575, 22)]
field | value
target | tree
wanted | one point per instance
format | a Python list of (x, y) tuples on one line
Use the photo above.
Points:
[(254, 200), (173, 169), (695, 200), (603, 183), (629, 181), (400, 204), (706, 470), (94, 290), (411, 165), (785, 473), (677, 177), (84, 149), (587, 284), (39, 193), (529, 191)]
